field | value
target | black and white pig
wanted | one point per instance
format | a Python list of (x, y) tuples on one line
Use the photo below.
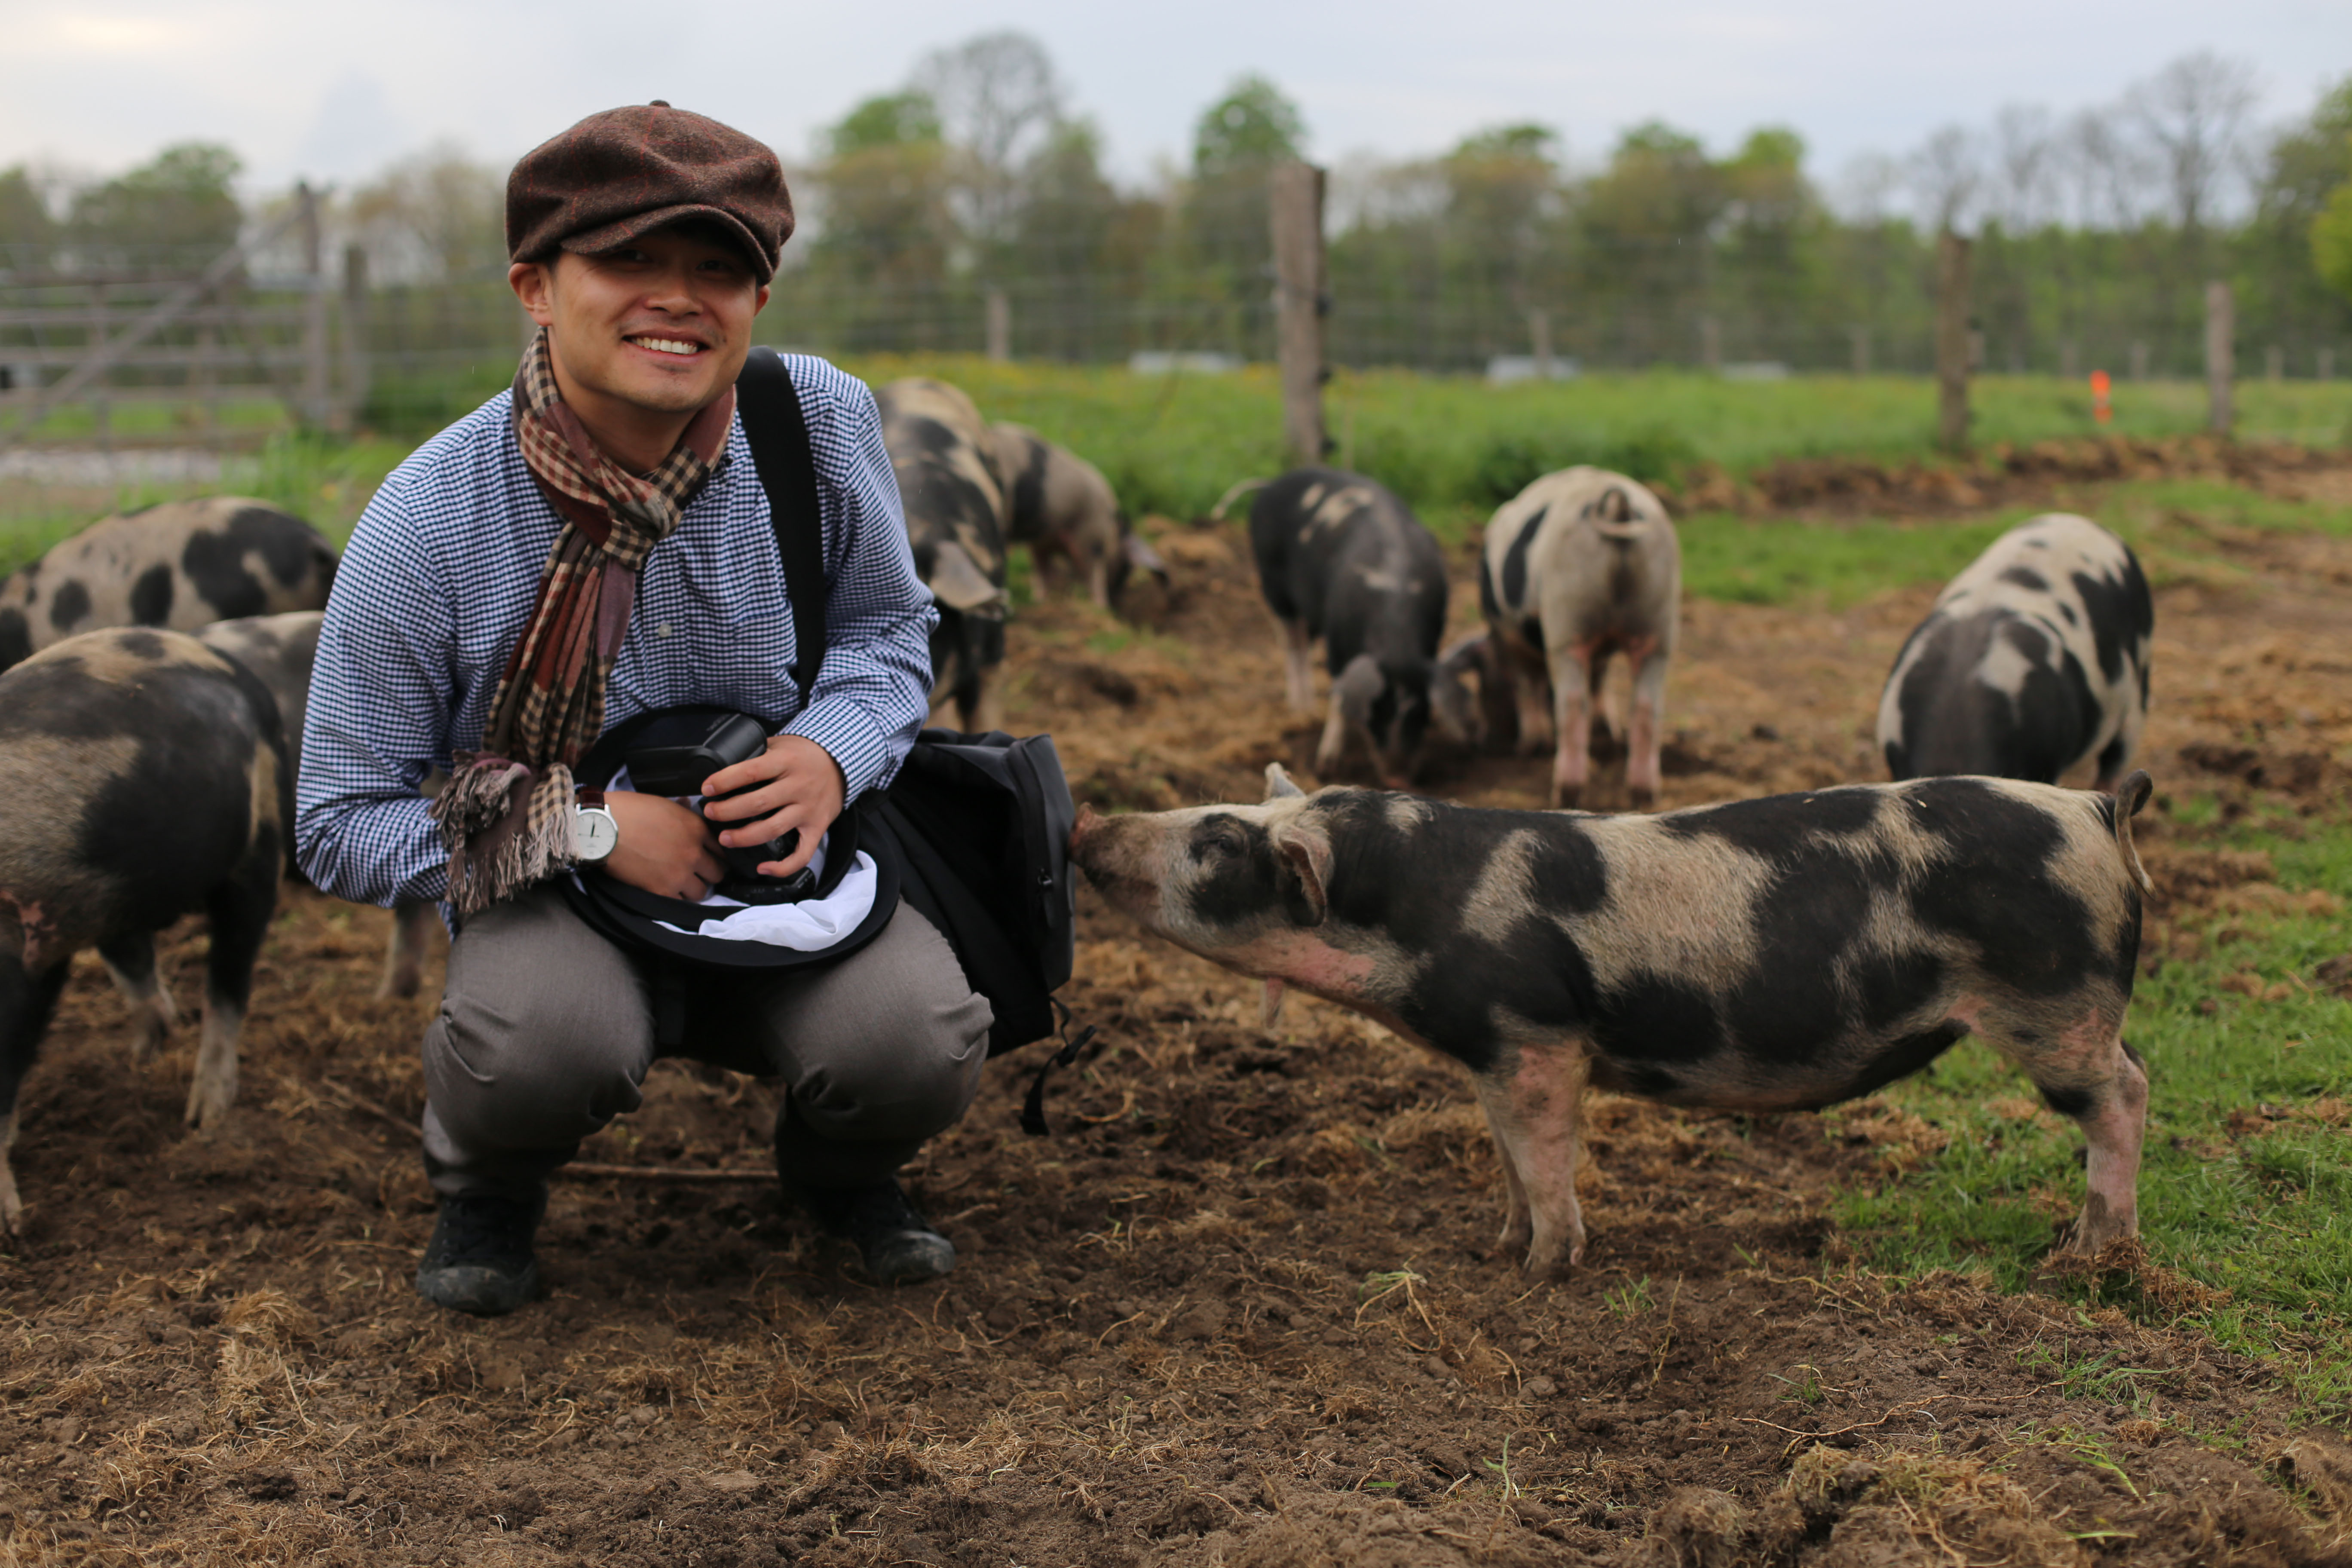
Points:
[(182, 564), (955, 520), (279, 651), (2034, 660), (1579, 567), (1772, 954), (146, 779), (1339, 557), (1061, 506)]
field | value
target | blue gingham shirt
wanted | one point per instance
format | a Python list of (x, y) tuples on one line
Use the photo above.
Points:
[(443, 570)]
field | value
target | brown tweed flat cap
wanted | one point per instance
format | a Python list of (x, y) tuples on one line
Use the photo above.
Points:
[(627, 172)]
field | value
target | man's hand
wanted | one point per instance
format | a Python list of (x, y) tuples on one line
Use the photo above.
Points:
[(665, 848), (801, 788)]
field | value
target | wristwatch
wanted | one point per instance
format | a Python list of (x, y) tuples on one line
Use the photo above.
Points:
[(595, 834)]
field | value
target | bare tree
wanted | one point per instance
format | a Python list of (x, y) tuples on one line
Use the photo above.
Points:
[(436, 214), (2193, 114), (1946, 174), (2108, 174), (2024, 163), (999, 101)]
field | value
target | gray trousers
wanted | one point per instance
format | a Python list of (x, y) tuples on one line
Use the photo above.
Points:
[(546, 1032)]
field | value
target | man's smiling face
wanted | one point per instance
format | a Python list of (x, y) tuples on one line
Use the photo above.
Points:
[(660, 326)]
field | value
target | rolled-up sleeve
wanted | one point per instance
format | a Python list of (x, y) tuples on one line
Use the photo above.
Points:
[(873, 691), (380, 698)]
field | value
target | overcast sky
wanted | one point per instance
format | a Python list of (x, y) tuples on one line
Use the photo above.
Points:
[(333, 90)]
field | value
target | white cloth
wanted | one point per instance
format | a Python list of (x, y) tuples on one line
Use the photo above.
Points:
[(810, 926)]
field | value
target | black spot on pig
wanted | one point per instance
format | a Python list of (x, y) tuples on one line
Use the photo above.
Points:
[(1658, 1019), (1242, 876), (1898, 1059), (1515, 560), (2117, 607), (2070, 1102), (1993, 886), (151, 597), (15, 638), (1773, 823), (2026, 577), (68, 606)]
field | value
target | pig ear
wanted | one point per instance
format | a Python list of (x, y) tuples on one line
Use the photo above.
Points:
[(1278, 784), (958, 582), (1307, 851), (1358, 687)]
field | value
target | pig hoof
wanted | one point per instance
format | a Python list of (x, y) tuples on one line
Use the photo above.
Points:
[(208, 1104)]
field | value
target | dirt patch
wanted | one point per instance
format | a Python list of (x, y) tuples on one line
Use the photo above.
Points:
[(1246, 1306), (2006, 475)]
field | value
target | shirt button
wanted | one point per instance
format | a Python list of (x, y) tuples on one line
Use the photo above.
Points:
[(662, 630)]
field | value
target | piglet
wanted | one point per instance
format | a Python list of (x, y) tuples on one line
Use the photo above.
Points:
[(182, 564), (145, 778), (1062, 507), (1340, 558), (1582, 565), (1772, 954), (2034, 661)]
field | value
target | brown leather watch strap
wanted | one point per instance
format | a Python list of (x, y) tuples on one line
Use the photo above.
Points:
[(592, 798)]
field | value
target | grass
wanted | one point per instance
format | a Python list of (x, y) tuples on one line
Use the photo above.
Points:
[(329, 482), (1452, 446), (2260, 1212)]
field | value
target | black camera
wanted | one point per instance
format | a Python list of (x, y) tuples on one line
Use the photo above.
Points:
[(674, 753)]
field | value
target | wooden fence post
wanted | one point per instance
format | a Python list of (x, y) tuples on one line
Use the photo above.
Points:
[(1295, 198), (2220, 356), (316, 350), (1000, 326), (1952, 341), (355, 334)]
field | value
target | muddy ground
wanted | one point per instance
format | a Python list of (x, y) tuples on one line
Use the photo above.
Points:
[(1244, 1307)]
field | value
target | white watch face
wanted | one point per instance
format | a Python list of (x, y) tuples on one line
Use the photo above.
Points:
[(594, 832)]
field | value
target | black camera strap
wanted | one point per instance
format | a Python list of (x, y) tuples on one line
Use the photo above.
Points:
[(779, 434)]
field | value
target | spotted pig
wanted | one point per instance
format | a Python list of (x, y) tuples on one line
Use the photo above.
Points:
[(2034, 660), (279, 651), (1773, 954), (955, 521), (1340, 558), (1061, 507), (182, 564), (1582, 565), (146, 779)]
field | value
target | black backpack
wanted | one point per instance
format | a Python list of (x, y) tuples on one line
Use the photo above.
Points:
[(975, 830)]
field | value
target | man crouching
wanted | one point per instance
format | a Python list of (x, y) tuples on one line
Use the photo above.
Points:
[(592, 545)]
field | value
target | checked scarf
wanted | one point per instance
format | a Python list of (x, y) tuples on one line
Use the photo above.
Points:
[(506, 814)]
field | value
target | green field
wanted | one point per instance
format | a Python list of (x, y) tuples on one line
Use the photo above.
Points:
[(1452, 446)]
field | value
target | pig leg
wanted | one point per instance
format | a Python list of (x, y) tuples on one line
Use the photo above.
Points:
[(1644, 772), (1536, 1113), (404, 959), (239, 910), (1297, 672), (2098, 1082), (1573, 672), (2113, 1117), (1492, 1098), (1531, 688), (27, 1002), (131, 961), (1333, 745)]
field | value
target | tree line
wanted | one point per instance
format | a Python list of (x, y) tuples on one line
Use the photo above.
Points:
[(2094, 235)]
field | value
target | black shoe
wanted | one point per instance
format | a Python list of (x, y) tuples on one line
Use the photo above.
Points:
[(479, 1258), (898, 1243)]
